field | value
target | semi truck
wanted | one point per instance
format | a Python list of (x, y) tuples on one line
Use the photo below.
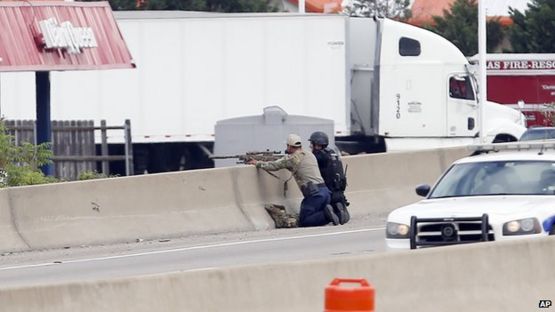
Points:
[(524, 81), (385, 84)]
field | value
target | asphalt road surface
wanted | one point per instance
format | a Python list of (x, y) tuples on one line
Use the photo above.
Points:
[(192, 253)]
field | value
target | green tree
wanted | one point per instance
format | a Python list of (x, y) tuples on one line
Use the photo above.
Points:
[(119, 5), (396, 9), (19, 165), (195, 5), (534, 30), (460, 26)]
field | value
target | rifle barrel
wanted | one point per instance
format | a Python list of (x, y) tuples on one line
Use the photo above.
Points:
[(225, 156), (248, 155)]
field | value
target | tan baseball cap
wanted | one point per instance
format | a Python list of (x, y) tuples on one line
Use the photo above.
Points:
[(294, 140)]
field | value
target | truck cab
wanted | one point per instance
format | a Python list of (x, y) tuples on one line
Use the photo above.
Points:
[(422, 91)]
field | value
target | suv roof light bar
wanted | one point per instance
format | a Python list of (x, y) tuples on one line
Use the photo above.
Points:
[(512, 146)]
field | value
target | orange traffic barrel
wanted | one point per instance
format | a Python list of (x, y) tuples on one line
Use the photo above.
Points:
[(353, 299)]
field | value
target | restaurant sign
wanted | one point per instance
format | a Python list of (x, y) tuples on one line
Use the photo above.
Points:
[(66, 36)]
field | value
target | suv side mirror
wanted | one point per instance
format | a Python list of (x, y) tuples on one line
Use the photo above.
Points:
[(423, 190)]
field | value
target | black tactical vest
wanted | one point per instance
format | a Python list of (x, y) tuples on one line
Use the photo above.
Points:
[(333, 173)]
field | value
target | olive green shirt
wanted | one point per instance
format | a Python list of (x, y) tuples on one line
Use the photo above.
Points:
[(303, 166)]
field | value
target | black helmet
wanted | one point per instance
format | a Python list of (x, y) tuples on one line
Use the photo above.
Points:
[(319, 138)]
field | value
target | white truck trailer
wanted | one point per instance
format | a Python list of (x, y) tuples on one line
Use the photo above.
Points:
[(385, 84)]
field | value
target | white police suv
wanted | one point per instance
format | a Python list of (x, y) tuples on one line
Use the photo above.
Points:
[(505, 191)]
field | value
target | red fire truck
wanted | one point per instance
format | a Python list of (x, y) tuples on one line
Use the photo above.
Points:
[(525, 78)]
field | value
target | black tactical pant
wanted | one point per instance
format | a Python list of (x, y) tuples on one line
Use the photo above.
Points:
[(312, 208)]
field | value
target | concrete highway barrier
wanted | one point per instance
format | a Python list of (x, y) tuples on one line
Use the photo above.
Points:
[(196, 202), (379, 183), (10, 238), (125, 209), (497, 276)]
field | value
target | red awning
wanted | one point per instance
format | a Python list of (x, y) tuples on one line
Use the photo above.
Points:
[(58, 35)]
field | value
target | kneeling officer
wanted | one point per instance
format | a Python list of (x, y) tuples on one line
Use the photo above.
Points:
[(315, 209), (331, 169)]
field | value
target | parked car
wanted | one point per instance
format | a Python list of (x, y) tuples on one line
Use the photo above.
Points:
[(538, 133), (505, 191)]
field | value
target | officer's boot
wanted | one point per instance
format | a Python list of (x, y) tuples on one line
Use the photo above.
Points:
[(342, 212), (330, 215)]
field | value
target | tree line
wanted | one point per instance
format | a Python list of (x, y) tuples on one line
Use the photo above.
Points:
[(532, 31), (231, 6)]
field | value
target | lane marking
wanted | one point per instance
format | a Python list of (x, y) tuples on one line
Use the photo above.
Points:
[(217, 245)]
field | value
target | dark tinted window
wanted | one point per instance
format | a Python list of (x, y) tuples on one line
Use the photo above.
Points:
[(461, 88), (409, 47)]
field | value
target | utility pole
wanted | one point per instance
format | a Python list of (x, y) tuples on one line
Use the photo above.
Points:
[(482, 86)]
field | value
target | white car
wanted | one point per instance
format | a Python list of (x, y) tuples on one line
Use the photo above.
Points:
[(505, 191)]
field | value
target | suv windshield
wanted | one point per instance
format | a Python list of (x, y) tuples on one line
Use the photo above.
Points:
[(497, 178)]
